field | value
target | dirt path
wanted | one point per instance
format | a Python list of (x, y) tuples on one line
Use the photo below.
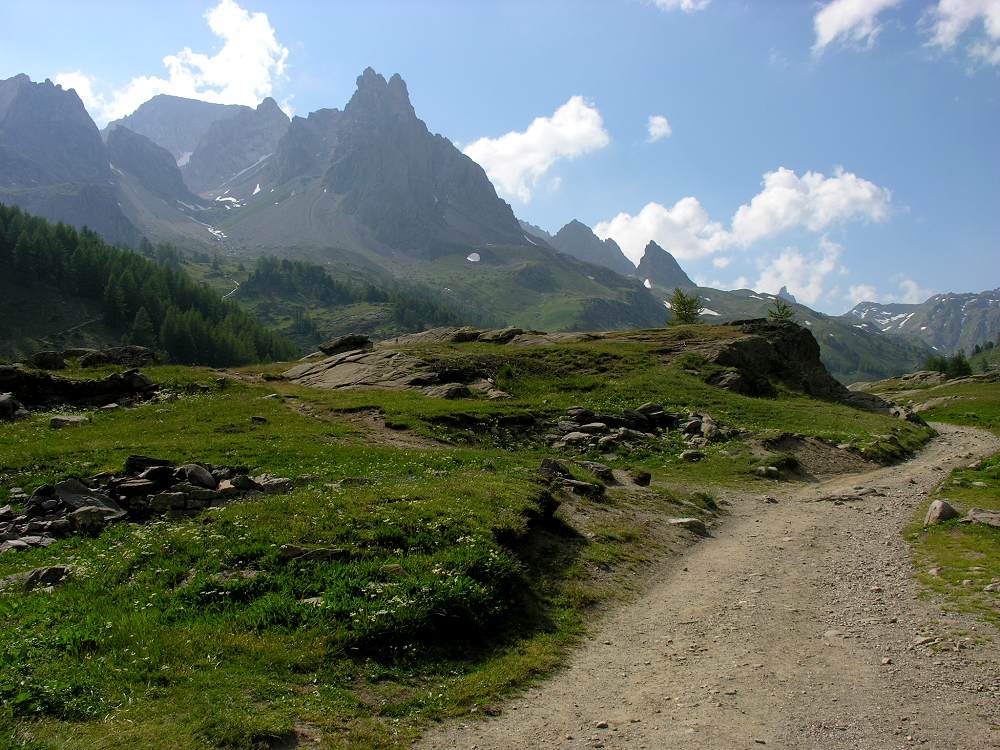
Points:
[(777, 633)]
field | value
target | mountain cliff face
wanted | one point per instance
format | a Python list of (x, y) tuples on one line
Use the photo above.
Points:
[(946, 322), (661, 269), (233, 144), (371, 177), (152, 166), (52, 160), (578, 240), (175, 123)]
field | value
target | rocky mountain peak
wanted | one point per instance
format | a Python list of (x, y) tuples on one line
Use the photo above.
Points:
[(268, 106), (662, 269), (579, 240), (378, 97)]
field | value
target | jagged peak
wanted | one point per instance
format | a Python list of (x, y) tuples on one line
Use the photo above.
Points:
[(376, 94)]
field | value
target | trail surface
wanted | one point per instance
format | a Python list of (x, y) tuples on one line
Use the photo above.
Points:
[(797, 626)]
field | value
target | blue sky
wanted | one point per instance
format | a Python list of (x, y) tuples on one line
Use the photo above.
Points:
[(877, 122)]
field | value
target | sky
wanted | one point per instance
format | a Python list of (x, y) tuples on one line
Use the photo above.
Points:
[(846, 149)]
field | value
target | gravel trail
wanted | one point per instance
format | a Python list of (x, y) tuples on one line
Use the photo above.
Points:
[(798, 625)]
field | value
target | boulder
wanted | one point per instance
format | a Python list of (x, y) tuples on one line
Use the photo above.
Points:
[(10, 408), (978, 515), (593, 427), (501, 336), (136, 487), (602, 472), (47, 360), (74, 494), (649, 408), (91, 519), (30, 580), (197, 475), (274, 485), (167, 501), (939, 511), (136, 464), (640, 477), (348, 343), (124, 356), (552, 468), (574, 438), (584, 489), (691, 455), (449, 391)]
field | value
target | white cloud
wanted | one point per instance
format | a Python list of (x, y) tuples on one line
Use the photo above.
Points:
[(241, 72), (658, 127), (688, 6), (684, 229), (721, 262), (813, 201), (953, 18), (516, 161), (803, 275), (787, 201), (908, 291), (852, 21)]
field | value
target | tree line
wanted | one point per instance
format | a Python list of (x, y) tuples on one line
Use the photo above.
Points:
[(150, 303)]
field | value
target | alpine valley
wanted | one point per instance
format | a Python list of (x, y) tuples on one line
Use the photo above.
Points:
[(362, 220)]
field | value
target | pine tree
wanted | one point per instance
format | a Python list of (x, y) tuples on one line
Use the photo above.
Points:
[(142, 332), (782, 312), (685, 307)]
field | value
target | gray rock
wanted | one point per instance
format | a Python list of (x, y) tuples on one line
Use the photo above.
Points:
[(197, 475), (136, 487), (449, 391), (348, 343), (6, 514), (768, 472), (274, 485), (574, 438), (167, 501), (13, 545), (39, 577), (594, 427), (978, 515), (939, 511), (136, 464), (584, 489), (691, 455), (640, 477), (47, 360), (649, 408), (92, 519), (75, 494), (10, 408)]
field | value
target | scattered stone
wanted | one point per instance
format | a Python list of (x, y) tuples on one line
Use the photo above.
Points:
[(39, 577), (584, 489), (939, 511), (197, 475), (273, 485), (691, 455), (640, 477), (91, 519)]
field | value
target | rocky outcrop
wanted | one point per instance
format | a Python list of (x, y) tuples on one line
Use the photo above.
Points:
[(788, 353), (661, 269), (35, 389)]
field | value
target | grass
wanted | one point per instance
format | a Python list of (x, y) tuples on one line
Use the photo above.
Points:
[(961, 552), (451, 588)]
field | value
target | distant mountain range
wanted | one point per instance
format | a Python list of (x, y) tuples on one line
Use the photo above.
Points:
[(374, 196)]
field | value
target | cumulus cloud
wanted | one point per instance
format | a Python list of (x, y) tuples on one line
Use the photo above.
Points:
[(786, 201), (813, 201), (721, 262), (951, 19), (803, 275), (684, 229), (518, 160), (852, 21), (688, 6), (907, 291), (658, 127), (241, 72)]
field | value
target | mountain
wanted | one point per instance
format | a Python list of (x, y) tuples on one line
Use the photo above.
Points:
[(660, 269), (234, 144), (175, 123), (947, 322), (534, 231), (151, 165), (578, 240), (370, 178), (53, 161), (786, 295)]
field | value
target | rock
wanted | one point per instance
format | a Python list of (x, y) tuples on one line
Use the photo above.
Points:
[(692, 427), (695, 525), (593, 428), (768, 472), (125, 356), (939, 511), (274, 485), (6, 514), (552, 468), (13, 545), (67, 420), (602, 472), (640, 477), (136, 487), (197, 475), (580, 415), (47, 360), (29, 580), (576, 437), (135, 464), (10, 408), (167, 501), (41, 389), (608, 442), (256, 419), (312, 601), (111, 407), (393, 569), (74, 494), (584, 489), (244, 483), (347, 343), (649, 408), (289, 552), (691, 455), (162, 476), (449, 391), (501, 336), (978, 515), (91, 519)]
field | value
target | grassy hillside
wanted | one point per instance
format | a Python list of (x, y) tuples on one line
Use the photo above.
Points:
[(449, 586)]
